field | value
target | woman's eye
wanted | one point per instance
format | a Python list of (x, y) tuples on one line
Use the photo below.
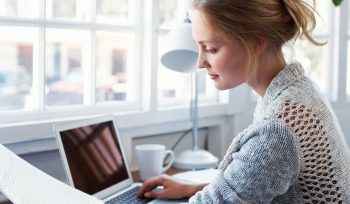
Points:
[(210, 50)]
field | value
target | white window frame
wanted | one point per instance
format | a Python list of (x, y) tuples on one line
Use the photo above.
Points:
[(40, 111)]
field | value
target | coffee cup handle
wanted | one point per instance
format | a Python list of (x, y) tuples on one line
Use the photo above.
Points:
[(172, 158)]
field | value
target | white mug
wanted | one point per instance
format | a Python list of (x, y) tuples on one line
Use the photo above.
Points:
[(151, 159)]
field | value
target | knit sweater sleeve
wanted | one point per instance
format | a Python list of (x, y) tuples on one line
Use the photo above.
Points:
[(265, 166)]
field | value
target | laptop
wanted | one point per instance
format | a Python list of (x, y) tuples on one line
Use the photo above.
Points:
[(95, 163)]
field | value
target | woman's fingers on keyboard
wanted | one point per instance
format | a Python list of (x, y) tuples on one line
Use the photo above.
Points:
[(150, 185)]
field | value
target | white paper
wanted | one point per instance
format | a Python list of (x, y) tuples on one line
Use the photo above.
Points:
[(197, 176), (23, 183)]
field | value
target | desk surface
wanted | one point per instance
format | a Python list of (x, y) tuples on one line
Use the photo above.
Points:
[(171, 171)]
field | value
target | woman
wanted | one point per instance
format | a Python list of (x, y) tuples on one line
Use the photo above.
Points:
[(292, 152)]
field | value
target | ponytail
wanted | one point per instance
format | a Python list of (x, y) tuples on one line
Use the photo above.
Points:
[(304, 18)]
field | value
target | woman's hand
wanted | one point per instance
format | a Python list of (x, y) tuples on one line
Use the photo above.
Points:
[(172, 189)]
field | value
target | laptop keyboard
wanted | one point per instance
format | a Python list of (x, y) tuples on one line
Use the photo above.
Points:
[(128, 197)]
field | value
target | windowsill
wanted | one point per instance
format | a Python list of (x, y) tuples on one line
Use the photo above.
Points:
[(65, 115), (35, 136)]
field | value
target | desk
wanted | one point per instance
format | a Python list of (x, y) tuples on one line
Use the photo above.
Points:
[(171, 171)]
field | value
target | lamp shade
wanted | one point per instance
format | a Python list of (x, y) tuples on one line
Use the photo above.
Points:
[(180, 51)]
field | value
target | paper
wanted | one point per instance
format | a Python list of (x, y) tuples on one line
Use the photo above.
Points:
[(197, 176), (23, 183)]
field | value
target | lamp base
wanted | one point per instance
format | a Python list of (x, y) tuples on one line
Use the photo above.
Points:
[(195, 159)]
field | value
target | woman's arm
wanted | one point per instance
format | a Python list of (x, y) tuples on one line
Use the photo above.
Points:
[(264, 167)]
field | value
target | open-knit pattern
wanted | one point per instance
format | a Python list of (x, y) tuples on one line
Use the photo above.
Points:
[(318, 182)]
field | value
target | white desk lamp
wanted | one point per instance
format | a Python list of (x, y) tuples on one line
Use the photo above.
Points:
[(180, 54)]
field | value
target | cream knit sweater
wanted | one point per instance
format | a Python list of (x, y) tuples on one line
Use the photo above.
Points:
[(293, 152)]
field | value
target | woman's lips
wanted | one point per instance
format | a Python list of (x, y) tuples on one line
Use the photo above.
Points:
[(213, 76)]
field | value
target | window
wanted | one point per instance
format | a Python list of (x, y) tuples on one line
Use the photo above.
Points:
[(63, 57)]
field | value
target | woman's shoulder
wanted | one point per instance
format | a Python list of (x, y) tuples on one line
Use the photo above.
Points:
[(268, 130)]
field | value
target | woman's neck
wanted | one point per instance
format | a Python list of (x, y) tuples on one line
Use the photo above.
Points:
[(268, 67)]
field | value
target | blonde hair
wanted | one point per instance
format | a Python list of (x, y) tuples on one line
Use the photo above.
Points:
[(277, 21)]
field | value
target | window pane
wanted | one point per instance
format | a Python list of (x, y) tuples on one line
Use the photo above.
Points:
[(173, 87), (313, 58), (66, 60), (19, 8), (77, 10), (16, 67), (323, 18), (168, 10), (114, 11), (114, 69)]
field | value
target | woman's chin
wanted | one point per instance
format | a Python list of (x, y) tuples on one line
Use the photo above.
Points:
[(222, 87)]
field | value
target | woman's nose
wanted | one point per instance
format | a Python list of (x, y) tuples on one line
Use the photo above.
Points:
[(201, 62)]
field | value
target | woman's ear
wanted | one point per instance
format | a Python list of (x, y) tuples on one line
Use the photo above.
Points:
[(261, 44)]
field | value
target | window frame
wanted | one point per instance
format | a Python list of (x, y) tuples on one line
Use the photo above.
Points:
[(41, 110)]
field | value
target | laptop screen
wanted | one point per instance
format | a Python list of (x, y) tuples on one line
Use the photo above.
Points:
[(94, 156)]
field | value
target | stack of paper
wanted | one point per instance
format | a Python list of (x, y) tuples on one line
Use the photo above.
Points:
[(22, 183), (197, 176)]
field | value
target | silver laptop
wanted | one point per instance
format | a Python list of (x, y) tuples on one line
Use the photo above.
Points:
[(94, 160)]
